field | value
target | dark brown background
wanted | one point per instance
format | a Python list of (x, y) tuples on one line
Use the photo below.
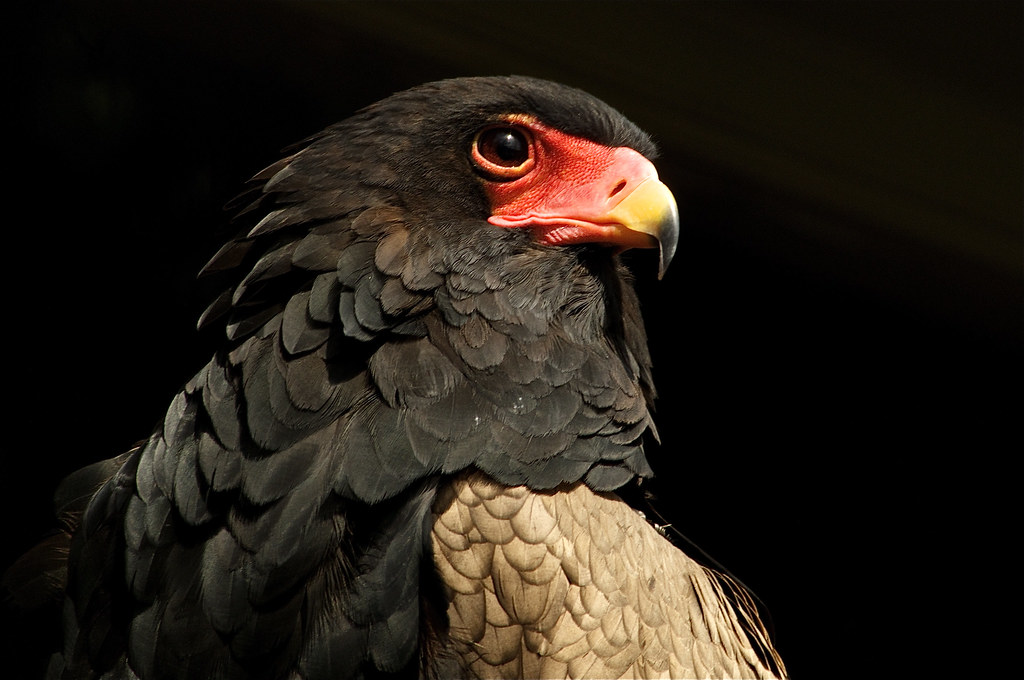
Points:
[(837, 343)]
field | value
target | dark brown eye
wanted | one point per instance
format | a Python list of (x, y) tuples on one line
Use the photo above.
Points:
[(503, 152), (506, 147)]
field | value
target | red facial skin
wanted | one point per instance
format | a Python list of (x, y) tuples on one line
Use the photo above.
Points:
[(566, 189)]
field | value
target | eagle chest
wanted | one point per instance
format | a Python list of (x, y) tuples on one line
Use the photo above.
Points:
[(572, 583)]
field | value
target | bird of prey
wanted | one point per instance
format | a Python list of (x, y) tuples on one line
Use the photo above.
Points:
[(408, 456)]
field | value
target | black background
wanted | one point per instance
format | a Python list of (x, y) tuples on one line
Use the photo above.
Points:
[(837, 344)]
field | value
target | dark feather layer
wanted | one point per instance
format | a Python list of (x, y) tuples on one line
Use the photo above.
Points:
[(380, 334)]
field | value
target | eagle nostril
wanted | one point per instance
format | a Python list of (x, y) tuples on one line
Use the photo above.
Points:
[(617, 188)]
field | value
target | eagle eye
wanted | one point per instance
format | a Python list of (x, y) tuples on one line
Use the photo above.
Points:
[(503, 152)]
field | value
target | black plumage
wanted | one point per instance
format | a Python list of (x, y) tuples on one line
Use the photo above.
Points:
[(380, 336)]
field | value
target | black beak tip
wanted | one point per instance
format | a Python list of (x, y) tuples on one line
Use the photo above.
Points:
[(668, 239)]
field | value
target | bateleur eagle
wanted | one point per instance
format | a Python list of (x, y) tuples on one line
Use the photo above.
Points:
[(403, 459)]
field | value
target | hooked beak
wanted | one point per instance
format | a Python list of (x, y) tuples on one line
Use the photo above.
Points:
[(650, 209)]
